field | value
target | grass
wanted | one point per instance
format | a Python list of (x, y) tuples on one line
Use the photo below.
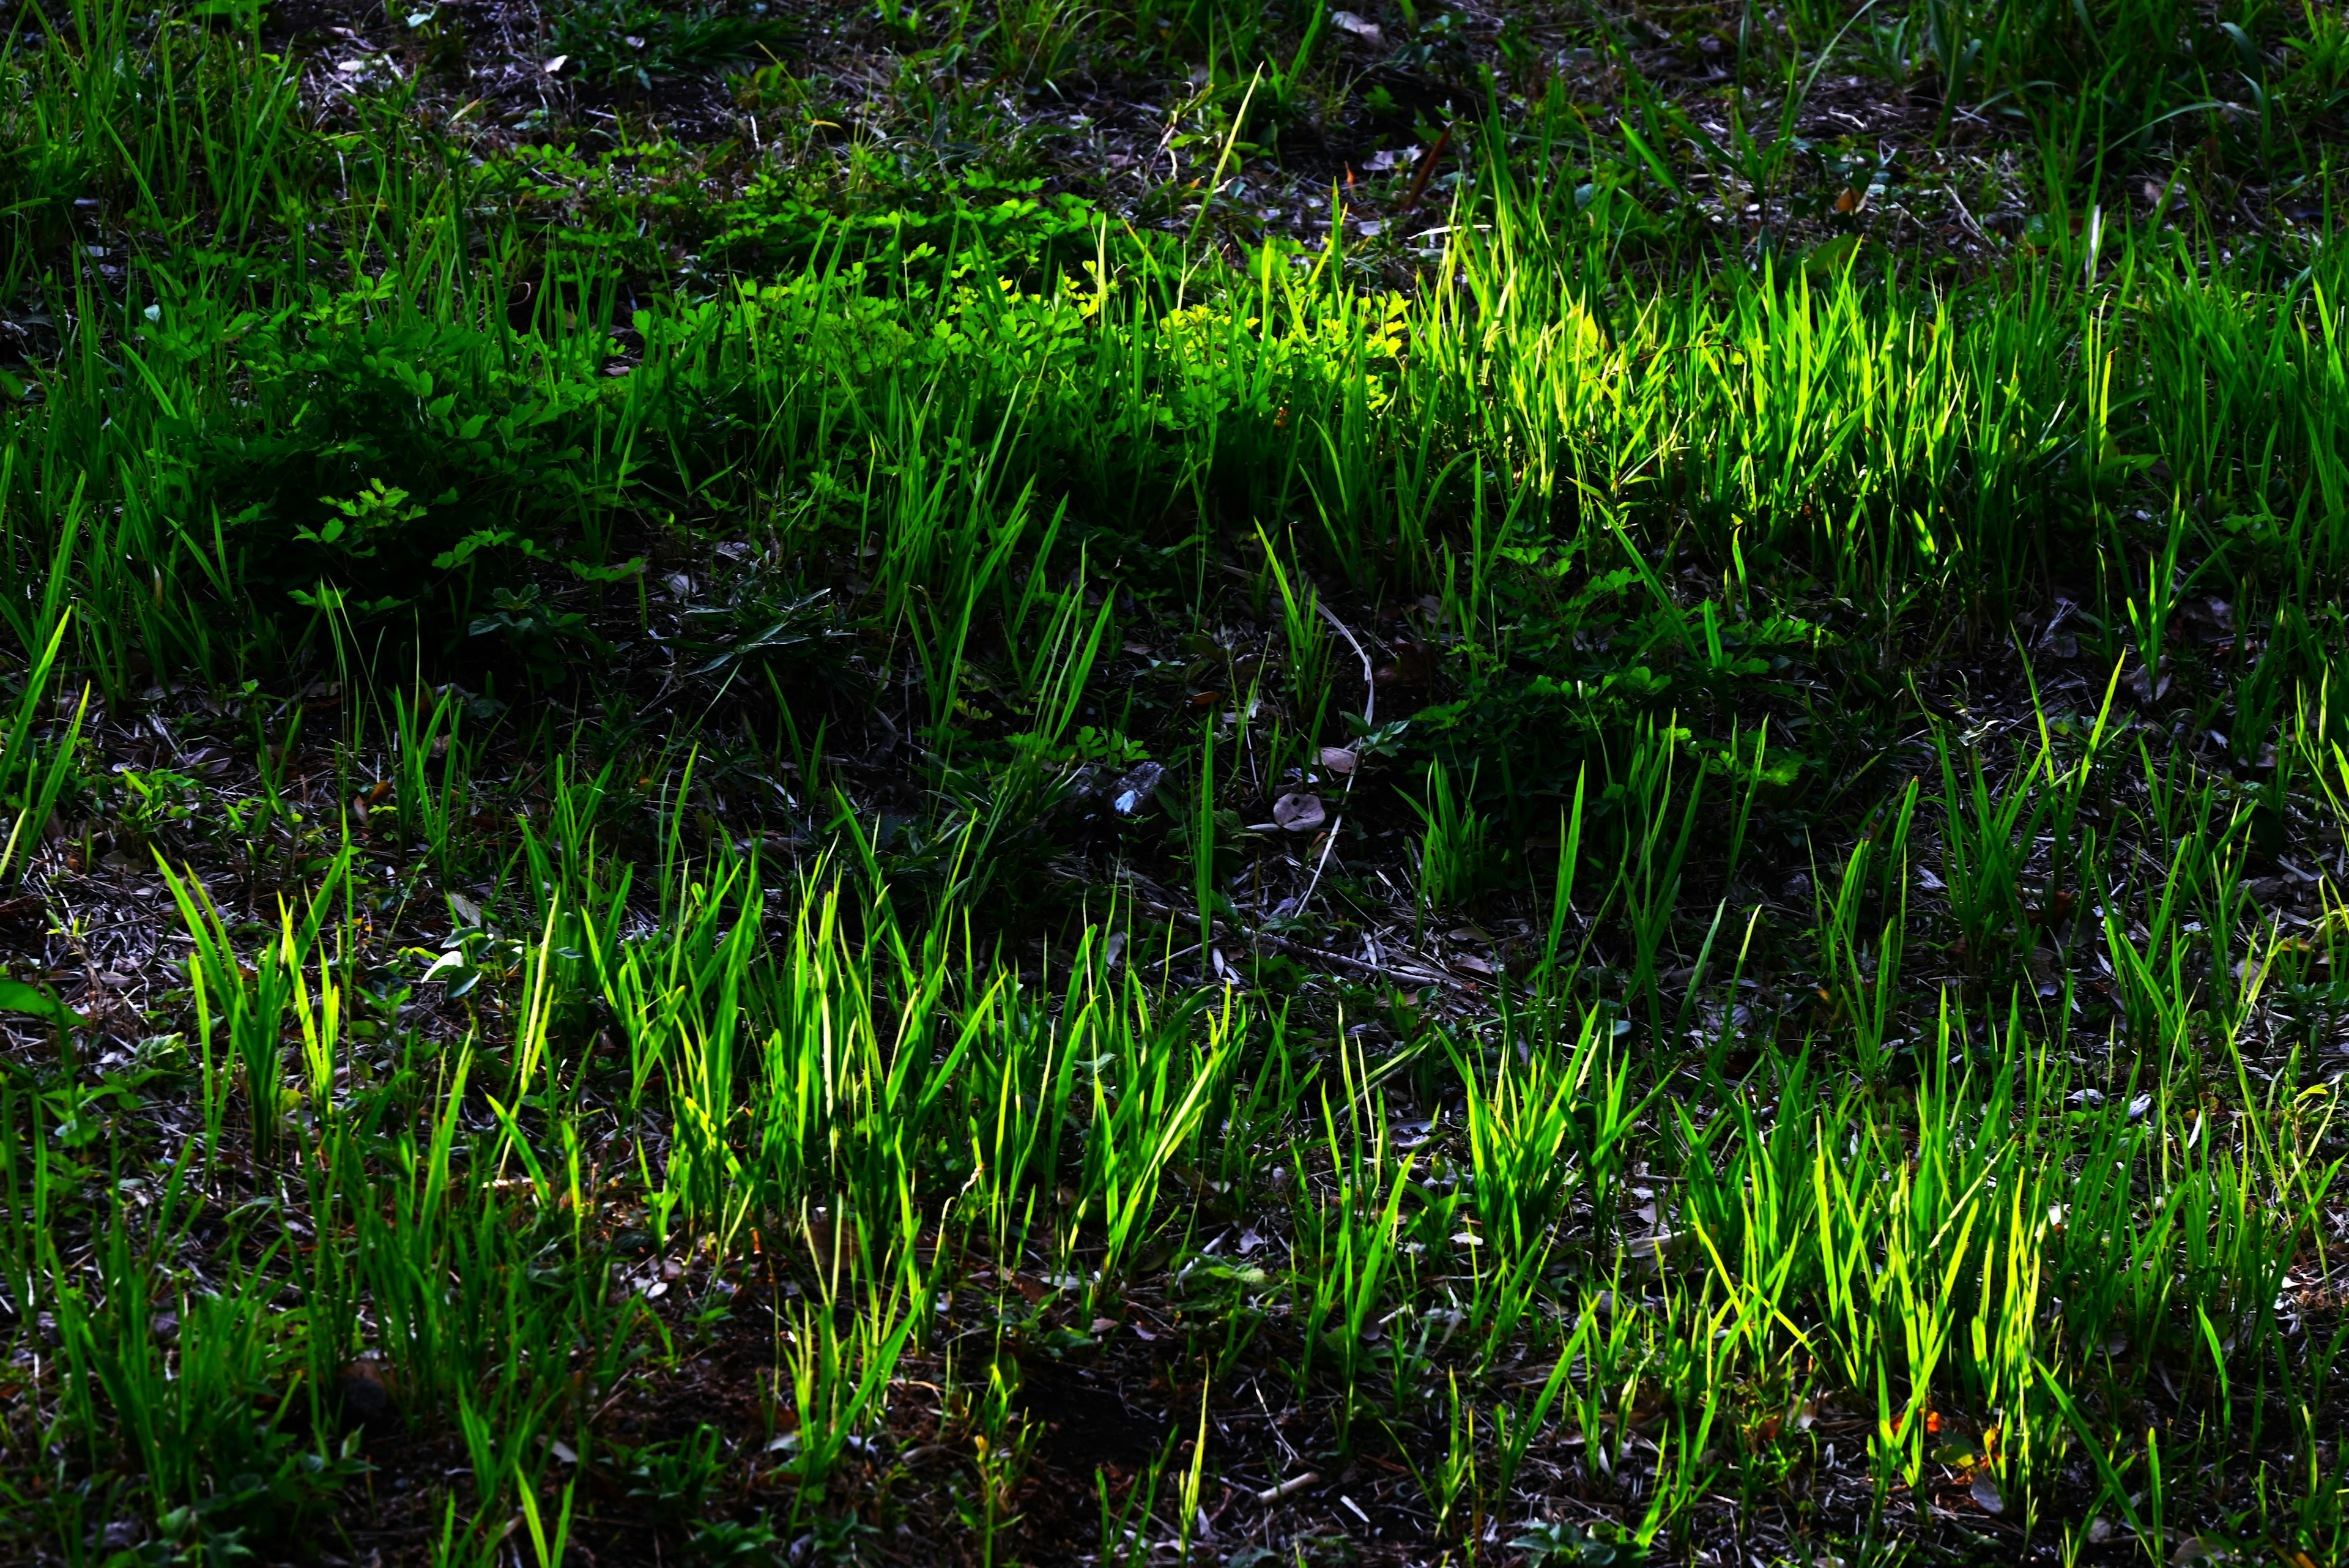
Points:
[(1191, 781)]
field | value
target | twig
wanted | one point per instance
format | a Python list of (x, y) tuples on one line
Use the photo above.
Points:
[(1281, 944), (1419, 184), (1272, 1494), (1966, 219)]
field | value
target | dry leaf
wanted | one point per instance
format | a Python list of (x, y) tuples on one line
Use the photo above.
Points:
[(1339, 761), (1299, 811), (1985, 1491)]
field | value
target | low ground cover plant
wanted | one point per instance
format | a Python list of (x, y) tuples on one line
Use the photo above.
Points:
[(1204, 782)]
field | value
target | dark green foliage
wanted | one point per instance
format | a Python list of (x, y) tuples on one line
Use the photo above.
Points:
[(641, 41), (802, 786)]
